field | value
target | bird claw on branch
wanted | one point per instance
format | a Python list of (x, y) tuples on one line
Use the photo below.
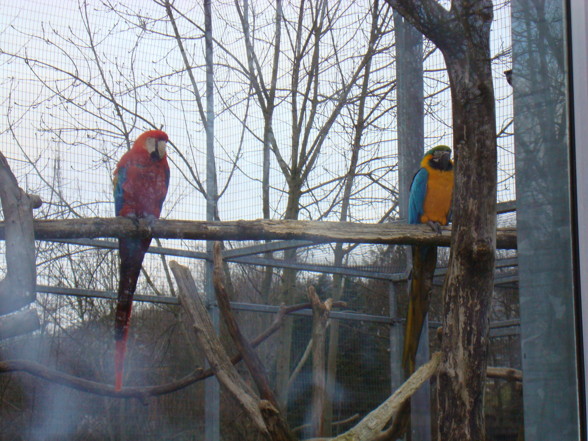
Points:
[(435, 226)]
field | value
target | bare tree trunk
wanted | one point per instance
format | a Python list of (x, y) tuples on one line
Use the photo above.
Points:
[(17, 289), (463, 35)]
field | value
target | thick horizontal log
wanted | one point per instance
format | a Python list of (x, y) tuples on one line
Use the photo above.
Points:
[(347, 232)]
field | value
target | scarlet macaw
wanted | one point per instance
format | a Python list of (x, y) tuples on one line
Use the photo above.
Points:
[(141, 180), (430, 203)]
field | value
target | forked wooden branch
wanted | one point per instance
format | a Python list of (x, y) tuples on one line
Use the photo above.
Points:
[(252, 361), (18, 323), (210, 343), (278, 427)]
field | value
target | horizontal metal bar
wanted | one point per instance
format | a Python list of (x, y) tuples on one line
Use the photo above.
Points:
[(279, 245), (246, 258), (497, 329), (237, 306), (329, 269)]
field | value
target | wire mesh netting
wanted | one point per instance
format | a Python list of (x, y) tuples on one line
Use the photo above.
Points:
[(304, 128)]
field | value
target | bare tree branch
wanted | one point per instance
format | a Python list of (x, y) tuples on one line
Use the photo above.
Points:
[(428, 16)]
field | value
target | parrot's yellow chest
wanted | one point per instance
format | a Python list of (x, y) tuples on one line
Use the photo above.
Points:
[(437, 202)]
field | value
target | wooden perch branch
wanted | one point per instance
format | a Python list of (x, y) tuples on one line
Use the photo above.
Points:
[(40, 371), (346, 232)]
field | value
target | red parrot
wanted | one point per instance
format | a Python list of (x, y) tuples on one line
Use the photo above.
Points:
[(141, 179)]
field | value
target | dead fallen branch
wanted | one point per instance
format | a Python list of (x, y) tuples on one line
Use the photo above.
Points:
[(370, 427), (277, 425), (250, 357), (319, 232)]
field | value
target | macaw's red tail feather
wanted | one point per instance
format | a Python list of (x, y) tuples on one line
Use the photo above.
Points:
[(119, 362), (131, 253), (121, 333)]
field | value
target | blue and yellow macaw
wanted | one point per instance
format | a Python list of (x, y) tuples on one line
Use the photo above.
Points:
[(429, 203), (141, 180)]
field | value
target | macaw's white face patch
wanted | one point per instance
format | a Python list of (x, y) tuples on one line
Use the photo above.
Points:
[(156, 148)]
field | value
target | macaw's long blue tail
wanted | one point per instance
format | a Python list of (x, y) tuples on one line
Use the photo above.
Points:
[(131, 252), (424, 260)]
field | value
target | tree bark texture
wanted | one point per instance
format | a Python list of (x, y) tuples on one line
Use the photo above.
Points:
[(463, 36), (18, 288)]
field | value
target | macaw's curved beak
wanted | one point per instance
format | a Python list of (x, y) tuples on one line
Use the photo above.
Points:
[(158, 150), (444, 160)]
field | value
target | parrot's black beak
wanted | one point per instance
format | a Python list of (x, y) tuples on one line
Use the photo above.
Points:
[(444, 161), (155, 155)]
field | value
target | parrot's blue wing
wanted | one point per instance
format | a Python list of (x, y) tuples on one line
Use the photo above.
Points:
[(416, 200), (119, 180)]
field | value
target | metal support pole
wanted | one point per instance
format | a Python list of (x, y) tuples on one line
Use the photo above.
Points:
[(396, 338), (410, 95), (211, 387), (544, 224)]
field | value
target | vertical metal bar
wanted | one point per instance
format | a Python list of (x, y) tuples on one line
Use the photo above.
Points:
[(548, 332), (396, 337), (211, 387), (579, 41), (410, 96)]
